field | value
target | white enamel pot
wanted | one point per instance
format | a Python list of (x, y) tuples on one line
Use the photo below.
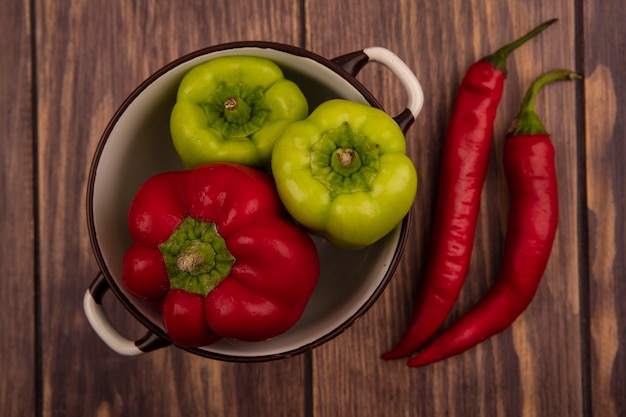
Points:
[(137, 145)]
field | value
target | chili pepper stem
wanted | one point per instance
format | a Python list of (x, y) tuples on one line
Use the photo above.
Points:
[(498, 58), (527, 121)]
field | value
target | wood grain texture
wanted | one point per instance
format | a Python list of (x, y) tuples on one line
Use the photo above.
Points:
[(509, 374), (604, 140), (92, 55), (17, 247), (566, 354)]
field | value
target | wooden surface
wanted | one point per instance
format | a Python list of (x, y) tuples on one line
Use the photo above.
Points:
[(67, 65)]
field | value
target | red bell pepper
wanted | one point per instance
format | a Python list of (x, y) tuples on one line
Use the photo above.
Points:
[(215, 250)]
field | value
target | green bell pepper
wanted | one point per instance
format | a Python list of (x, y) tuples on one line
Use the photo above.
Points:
[(232, 109), (343, 173)]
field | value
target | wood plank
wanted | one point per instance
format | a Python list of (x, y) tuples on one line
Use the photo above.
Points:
[(18, 388), (90, 58), (605, 128), (512, 373)]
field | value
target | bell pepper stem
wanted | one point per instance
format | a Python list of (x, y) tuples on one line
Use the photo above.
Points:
[(187, 261), (196, 257), (231, 103), (346, 162), (527, 121), (236, 110), (498, 58), (346, 157)]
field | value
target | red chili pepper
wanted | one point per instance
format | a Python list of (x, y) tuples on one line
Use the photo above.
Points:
[(531, 177), (463, 170)]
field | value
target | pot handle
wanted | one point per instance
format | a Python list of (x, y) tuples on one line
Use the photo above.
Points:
[(355, 61), (92, 305)]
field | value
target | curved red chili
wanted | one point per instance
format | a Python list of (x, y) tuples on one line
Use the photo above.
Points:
[(533, 215), (464, 165)]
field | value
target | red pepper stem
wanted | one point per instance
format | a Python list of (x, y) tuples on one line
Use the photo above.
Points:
[(527, 121), (187, 261), (498, 58), (196, 257)]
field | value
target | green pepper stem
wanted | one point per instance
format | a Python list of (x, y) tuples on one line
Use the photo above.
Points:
[(344, 160), (231, 103), (527, 121), (498, 58), (346, 157), (237, 110)]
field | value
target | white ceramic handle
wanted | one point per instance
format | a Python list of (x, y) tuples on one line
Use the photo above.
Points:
[(103, 328), (101, 324), (406, 77)]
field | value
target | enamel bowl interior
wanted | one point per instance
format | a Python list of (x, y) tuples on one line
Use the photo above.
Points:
[(136, 145)]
